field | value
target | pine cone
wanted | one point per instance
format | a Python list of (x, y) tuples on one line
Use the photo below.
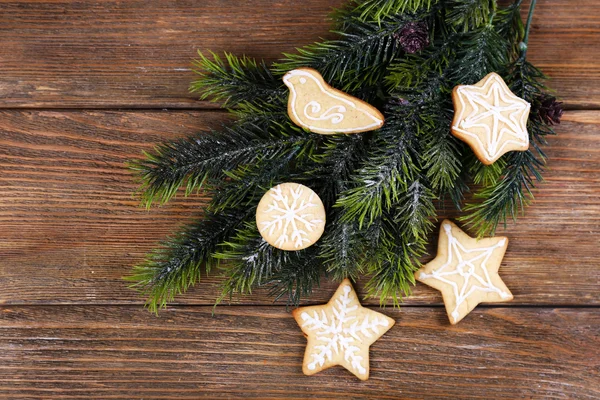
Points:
[(550, 110), (413, 37)]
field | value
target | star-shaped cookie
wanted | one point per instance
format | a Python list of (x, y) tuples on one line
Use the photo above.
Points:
[(340, 332), (490, 118), (466, 271)]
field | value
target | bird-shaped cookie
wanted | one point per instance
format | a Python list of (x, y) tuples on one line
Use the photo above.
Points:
[(316, 106)]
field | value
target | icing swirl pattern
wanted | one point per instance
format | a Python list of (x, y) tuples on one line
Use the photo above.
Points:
[(320, 108)]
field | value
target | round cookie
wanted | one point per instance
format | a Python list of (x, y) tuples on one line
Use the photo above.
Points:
[(290, 216)]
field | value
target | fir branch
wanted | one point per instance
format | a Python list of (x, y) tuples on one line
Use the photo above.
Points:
[(175, 265), (261, 112), (486, 175), (415, 210), (358, 58), (412, 70), (467, 15), (206, 158), (441, 152), (509, 25), (378, 10), (393, 261), (440, 158), (297, 277), (339, 156), (343, 249), (377, 185), (236, 80), (249, 182), (250, 262), (482, 51), (342, 242), (507, 197), (525, 80)]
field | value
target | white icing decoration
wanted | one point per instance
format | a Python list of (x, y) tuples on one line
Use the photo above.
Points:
[(315, 108), (337, 118), (466, 269), (514, 115), (285, 212), (335, 335)]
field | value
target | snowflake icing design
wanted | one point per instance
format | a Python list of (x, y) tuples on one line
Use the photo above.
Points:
[(292, 211), (467, 269), (508, 113), (342, 331)]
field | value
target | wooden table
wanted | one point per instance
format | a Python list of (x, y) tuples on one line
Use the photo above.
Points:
[(87, 85)]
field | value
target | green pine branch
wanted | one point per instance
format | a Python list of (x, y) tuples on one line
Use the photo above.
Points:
[(402, 239), (176, 264), (250, 262), (338, 158), (481, 51), (467, 15), (486, 175), (509, 191), (207, 158), (236, 80), (412, 71), (415, 211), (298, 276), (378, 10), (507, 22), (343, 248), (358, 58), (247, 184), (381, 180), (441, 157), (507, 197)]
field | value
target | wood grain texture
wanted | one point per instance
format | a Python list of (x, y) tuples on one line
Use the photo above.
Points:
[(123, 352), (72, 229), (137, 53)]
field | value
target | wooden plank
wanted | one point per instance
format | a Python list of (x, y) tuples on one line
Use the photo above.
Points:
[(136, 54), (71, 228), (124, 352)]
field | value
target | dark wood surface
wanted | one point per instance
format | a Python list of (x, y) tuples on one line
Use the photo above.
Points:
[(119, 352), (71, 229), (136, 53)]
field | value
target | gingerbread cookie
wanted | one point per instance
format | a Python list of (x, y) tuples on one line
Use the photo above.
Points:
[(290, 216), (340, 333), (466, 271), (490, 118), (316, 106)]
